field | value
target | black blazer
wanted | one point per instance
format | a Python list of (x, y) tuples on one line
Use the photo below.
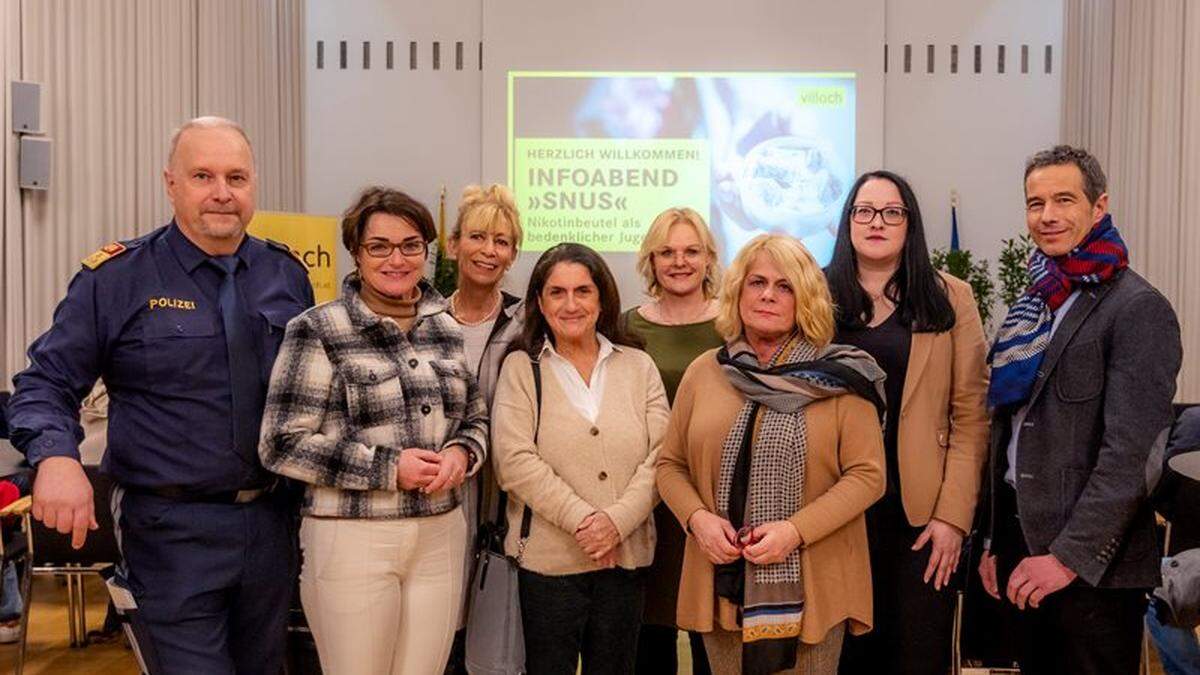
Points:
[(1102, 399)]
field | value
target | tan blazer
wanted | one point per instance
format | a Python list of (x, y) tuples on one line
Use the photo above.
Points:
[(844, 475), (943, 436)]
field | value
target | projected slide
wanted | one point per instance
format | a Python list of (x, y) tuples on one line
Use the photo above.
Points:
[(593, 157)]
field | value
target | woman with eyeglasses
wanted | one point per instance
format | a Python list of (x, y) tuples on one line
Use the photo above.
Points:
[(678, 262), (923, 329), (372, 406)]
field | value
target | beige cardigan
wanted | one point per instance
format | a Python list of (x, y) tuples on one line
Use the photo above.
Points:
[(576, 468), (843, 476)]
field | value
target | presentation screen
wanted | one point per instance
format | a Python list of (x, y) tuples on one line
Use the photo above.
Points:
[(593, 157)]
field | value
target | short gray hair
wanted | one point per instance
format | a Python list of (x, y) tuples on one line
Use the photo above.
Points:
[(1094, 181), (206, 122)]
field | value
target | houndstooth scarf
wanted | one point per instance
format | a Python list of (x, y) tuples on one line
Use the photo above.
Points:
[(762, 478)]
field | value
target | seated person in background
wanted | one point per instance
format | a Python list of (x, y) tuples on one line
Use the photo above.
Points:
[(11, 490), (1178, 500), (93, 416)]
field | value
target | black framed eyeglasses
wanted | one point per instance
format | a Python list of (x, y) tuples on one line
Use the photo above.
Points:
[(411, 248), (864, 214)]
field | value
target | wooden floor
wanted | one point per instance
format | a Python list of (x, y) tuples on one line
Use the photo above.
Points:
[(50, 653)]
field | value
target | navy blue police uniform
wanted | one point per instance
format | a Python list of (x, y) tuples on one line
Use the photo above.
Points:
[(206, 544)]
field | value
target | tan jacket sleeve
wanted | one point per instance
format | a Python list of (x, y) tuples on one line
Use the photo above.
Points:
[(672, 475), (637, 502), (969, 422), (860, 456), (519, 468)]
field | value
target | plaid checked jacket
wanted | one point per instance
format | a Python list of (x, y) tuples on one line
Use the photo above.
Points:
[(350, 390)]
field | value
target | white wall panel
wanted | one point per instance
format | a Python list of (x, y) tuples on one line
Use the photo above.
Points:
[(969, 131), (412, 128)]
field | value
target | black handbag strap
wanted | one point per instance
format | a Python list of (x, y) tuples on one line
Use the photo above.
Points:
[(527, 514), (502, 502)]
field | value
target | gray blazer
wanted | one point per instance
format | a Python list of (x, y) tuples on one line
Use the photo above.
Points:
[(1102, 399)]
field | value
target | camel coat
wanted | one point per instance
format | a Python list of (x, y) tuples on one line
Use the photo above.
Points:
[(942, 441), (844, 475)]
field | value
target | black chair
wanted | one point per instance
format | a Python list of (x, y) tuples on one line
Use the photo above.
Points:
[(53, 555), (16, 545), (4, 396)]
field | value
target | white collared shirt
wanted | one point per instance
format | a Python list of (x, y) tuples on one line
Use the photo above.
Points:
[(585, 396)]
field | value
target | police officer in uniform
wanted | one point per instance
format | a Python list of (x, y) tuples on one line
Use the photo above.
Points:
[(183, 325)]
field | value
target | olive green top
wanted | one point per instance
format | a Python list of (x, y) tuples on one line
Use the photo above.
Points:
[(673, 348)]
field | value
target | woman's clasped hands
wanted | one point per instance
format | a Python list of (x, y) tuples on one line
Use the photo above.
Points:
[(765, 544)]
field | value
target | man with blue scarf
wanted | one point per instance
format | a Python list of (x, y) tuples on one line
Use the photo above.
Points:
[(1083, 374)]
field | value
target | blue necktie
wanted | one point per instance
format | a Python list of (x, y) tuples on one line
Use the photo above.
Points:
[(244, 382)]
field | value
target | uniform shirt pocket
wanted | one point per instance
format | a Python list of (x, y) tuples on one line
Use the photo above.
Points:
[(274, 323), (175, 342)]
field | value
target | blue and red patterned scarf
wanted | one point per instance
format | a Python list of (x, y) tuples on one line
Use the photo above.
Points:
[(1023, 337)]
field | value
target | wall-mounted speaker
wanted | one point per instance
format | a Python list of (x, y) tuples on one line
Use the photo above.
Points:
[(26, 107), (33, 172)]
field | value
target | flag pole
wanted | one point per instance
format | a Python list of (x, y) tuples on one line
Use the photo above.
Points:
[(954, 220)]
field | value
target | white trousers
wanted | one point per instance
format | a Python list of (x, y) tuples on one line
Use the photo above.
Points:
[(382, 596)]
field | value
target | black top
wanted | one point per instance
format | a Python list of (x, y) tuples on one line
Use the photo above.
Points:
[(889, 344)]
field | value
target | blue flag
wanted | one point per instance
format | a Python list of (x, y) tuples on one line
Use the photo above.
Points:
[(953, 228)]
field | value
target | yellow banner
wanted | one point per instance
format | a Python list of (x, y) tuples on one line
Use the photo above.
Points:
[(314, 239)]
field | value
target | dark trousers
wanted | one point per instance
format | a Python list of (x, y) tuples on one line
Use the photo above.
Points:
[(212, 581), (657, 652), (1079, 629), (913, 630), (595, 615)]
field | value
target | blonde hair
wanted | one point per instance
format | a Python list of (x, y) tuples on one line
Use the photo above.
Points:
[(656, 236), (814, 305), (487, 208)]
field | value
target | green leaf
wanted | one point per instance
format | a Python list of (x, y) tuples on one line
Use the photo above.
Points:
[(962, 264)]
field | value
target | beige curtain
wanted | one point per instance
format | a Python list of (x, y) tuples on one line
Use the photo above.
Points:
[(118, 76), (1132, 96), (11, 304)]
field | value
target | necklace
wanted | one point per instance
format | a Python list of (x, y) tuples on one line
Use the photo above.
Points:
[(458, 315)]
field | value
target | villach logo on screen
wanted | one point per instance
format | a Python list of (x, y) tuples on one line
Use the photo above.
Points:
[(822, 97)]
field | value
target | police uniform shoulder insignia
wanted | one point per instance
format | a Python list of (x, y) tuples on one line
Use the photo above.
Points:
[(284, 248), (104, 254)]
